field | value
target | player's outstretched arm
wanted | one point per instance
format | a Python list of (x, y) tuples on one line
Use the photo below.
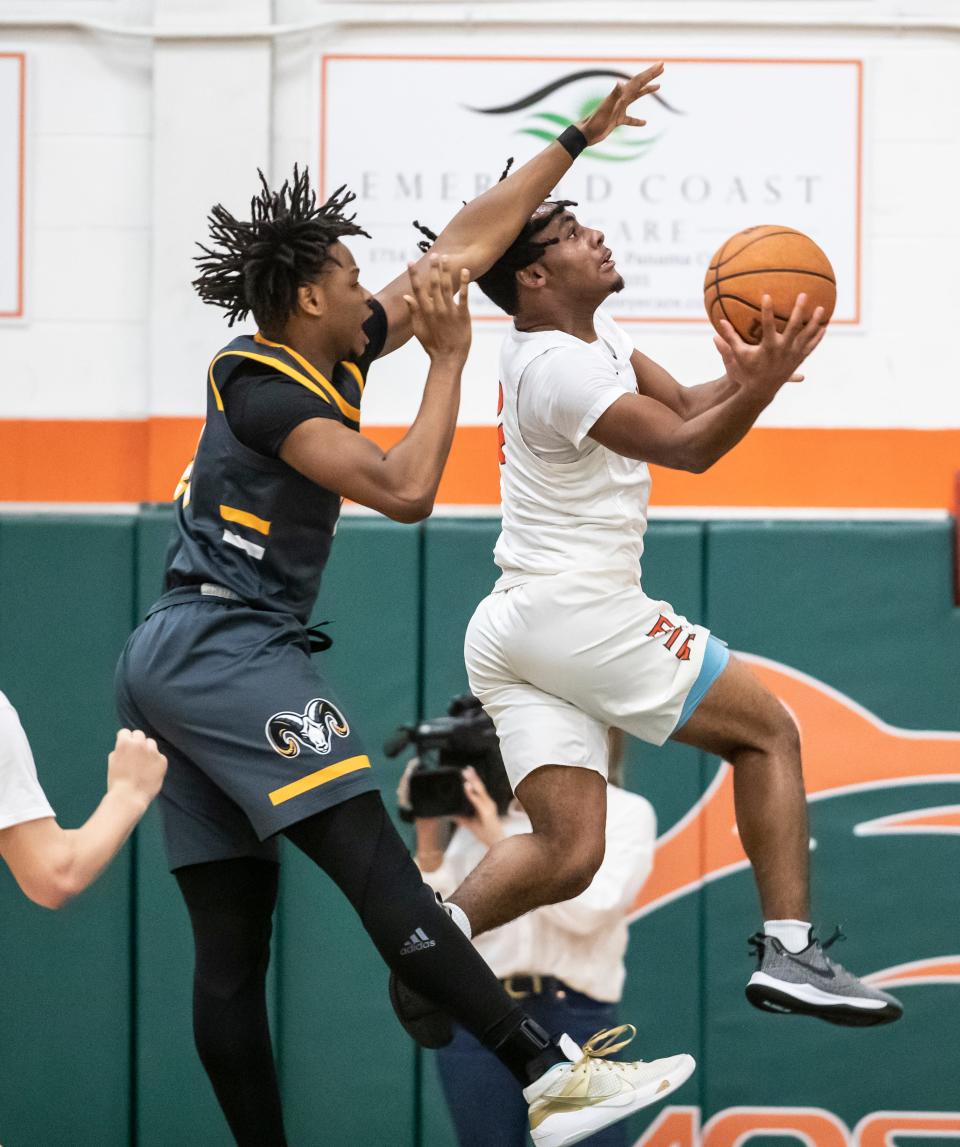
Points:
[(402, 481), (483, 229), (644, 428), (655, 381), (52, 864)]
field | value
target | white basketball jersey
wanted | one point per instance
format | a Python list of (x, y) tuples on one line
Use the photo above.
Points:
[(589, 513)]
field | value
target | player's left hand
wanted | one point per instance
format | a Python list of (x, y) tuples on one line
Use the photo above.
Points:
[(614, 112), (485, 825), (766, 366)]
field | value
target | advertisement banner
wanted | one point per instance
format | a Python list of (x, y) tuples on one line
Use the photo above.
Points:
[(12, 70), (729, 144)]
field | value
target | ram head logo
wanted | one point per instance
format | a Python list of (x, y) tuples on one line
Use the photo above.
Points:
[(315, 728)]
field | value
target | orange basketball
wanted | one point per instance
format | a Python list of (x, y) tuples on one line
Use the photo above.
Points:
[(768, 260)]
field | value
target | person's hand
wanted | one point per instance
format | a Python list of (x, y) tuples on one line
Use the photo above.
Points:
[(485, 825), (403, 786), (763, 368), (136, 766), (614, 111), (441, 322)]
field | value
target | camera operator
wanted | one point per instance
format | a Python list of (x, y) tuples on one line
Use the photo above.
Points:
[(564, 961)]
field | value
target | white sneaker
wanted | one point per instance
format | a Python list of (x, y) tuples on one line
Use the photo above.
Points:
[(575, 1100)]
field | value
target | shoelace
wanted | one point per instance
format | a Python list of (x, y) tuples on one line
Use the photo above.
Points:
[(837, 935), (758, 940), (602, 1044)]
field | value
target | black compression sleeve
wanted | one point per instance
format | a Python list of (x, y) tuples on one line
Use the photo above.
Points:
[(231, 907), (356, 844), (375, 329)]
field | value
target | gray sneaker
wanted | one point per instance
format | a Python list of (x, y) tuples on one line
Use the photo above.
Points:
[(809, 983)]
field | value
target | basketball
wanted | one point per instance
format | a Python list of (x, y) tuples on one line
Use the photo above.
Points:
[(768, 260)]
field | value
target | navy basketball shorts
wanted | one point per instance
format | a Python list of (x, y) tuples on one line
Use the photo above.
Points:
[(255, 737)]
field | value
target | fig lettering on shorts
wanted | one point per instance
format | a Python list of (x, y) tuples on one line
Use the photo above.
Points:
[(667, 625)]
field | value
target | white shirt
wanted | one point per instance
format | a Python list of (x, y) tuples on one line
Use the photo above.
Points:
[(581, 941), (568, 503), (21, 797)]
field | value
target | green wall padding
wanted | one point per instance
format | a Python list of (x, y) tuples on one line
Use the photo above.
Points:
[(65, 1029), (96, 1046)]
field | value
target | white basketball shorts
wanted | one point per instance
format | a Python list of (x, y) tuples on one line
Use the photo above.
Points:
[(558, 660)]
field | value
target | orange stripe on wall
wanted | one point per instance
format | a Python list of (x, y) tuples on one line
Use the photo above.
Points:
[(866, 469), (135, 461), (869, 469), (58, 461), (173, 442)]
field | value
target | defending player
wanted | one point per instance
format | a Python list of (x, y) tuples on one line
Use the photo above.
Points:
[(568, 644), (220, 671)]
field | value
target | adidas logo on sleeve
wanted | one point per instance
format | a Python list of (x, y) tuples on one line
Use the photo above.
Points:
[(418, 941)]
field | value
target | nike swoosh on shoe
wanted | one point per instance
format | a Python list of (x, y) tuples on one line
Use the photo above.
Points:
[(824, 974)]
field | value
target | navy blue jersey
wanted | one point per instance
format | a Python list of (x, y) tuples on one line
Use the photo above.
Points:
[(249, 522)]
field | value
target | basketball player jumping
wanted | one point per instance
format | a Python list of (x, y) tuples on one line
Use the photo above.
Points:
[(568, 643)]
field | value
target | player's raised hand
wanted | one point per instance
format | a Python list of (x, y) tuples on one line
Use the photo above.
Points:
[(614, 112), (441, 321), (767, 365)]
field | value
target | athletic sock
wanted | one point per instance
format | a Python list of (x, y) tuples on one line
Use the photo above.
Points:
[(794, 935), (459, 917)]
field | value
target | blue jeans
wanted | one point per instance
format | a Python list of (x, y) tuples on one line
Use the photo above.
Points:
[(485, 1102)]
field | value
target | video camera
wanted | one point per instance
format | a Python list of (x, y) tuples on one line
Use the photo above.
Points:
[(445, 746)]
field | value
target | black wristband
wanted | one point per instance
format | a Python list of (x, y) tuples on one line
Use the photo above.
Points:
[(572, 140)]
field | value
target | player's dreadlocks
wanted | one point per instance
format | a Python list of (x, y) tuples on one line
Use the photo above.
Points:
[(258, 266), (499, 284)]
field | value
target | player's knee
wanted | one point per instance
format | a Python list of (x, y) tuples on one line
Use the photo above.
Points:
[(230, 968), (772, 732), (784, 735), (574, 873)]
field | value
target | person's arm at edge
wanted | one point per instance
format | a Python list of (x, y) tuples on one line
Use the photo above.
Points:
[(484, 228), (52, 864)]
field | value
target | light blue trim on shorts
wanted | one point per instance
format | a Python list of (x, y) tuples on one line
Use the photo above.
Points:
[(714, 662)]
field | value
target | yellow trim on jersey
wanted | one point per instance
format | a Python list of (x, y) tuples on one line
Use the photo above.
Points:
[(229, 514), (320, 777), (355, 371), (283, 369), (216, 393), (352, 412)]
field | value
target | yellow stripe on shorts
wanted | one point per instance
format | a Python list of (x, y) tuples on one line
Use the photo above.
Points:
[(320, 777)]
